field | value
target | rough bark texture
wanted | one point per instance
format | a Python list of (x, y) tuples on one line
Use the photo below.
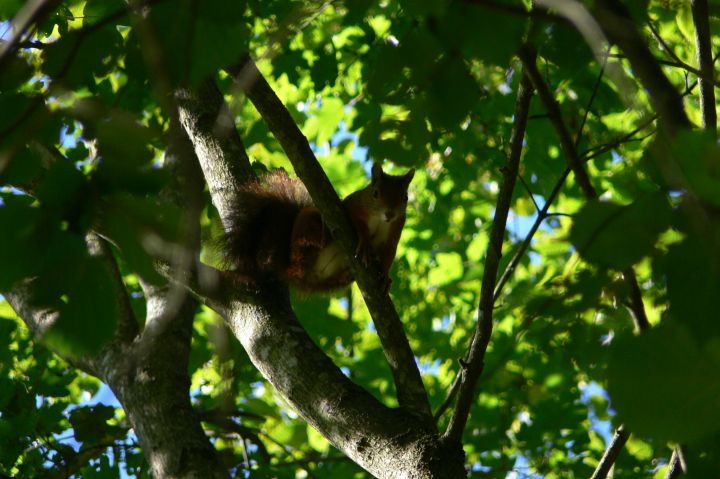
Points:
[(211, 128), (408, 382), (153, 390), (148, 370), (388, 443)]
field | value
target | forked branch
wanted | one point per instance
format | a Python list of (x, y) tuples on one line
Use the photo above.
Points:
[(410, 388)]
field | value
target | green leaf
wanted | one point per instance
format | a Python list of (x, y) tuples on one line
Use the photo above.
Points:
[(453, 93), (76, 58), (692, 270), (486, 34), (664, 385), (84, 294), (450, 269), (324, 71), (617, 236), (97, 11), (259, 407), (567, 48), (8, 8), (197, 39), (140, 226), (16, 71), (90, 423), (20, 252), (698, 156), (23, 169), (63, 194)]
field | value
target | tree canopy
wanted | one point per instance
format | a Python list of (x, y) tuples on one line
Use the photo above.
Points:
[(551, 307)]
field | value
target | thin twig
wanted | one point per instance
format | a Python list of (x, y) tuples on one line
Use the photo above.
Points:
[(481, 338), (611, 453), (673, 64), (543, 213), (32, 12), (529, 192), (705, 61), (529, 61), (616, 22), (677, 60), (517, 257), (591, 100)]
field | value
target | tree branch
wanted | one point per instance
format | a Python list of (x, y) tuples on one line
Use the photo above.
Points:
[(481, 338), (677, 466), (528, 58), (577, 165), (410, 389), (32, 12), (542, 215), (25, 301), (218, 147), (677, 61), (128, 328), (384, 441), (705, 61), (616, 23), (611, 453)]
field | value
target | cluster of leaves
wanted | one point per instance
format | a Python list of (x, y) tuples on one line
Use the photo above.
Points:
[(423, 84)]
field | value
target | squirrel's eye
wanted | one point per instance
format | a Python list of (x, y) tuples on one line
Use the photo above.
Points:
[(376, 193)]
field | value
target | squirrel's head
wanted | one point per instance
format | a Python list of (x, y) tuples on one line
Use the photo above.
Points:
[(389, 192)]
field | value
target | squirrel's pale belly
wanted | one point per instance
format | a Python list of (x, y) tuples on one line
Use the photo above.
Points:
[(330, 261), (378, 229)]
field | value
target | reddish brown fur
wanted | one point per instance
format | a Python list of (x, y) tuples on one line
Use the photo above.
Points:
[(278, 231)]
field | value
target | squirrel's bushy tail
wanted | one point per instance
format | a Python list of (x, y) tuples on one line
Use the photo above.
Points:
[(261, 224)]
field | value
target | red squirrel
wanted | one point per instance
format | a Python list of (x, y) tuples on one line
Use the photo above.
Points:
[(276, 230)]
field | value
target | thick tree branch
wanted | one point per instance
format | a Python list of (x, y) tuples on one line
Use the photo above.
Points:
[(386, 442), (705, 62), (611, 453), (616, 23), (152, 387), (481, 338), (410, 389), (157, 398), (39, 317), (379, 439), (218, 147)]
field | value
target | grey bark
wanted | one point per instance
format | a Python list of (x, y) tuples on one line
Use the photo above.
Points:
[(148, 372), (388, 443), (408, 382)]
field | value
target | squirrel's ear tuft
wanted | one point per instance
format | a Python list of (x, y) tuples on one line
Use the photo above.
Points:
[(409, 175), (376, 172)]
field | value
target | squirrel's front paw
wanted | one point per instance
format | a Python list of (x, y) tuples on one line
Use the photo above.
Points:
[(363, 253)]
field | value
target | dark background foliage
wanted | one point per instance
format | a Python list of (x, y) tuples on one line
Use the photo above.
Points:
[(430, 85)]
